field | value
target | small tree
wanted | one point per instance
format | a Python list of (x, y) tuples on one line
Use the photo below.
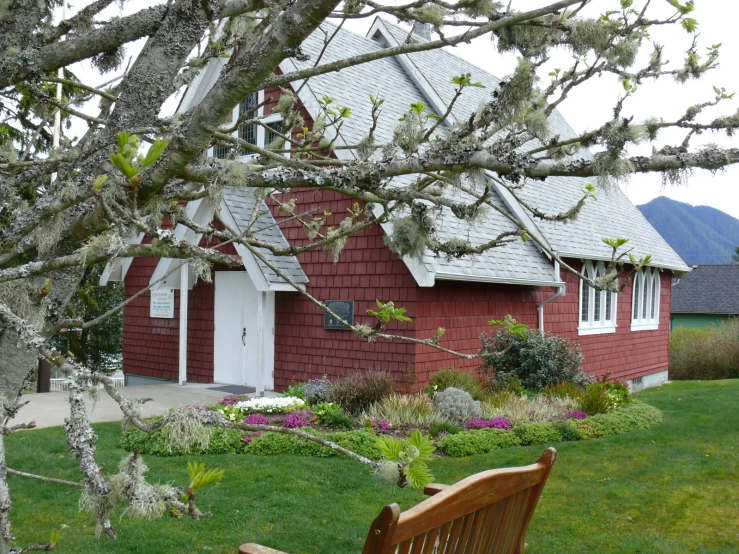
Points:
[(97, 345)]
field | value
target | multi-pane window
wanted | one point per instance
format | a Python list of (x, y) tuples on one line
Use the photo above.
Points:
[(597, 307), (270, 135), (645, 300), (220, 151), (258, 133), (248, 110)]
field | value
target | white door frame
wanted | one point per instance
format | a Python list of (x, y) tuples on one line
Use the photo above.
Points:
[(263, 314)]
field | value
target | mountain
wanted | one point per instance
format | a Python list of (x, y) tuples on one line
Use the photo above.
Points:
[(699, 234)]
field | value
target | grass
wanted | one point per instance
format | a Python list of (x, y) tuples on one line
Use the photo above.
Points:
[(671, 489)]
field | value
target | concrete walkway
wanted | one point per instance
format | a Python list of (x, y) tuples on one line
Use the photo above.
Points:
[(50, 408)]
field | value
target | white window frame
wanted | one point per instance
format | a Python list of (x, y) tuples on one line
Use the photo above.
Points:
[(591, 326), (648, 278), (261, 131)]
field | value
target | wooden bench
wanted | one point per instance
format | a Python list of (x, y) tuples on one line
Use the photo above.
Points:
[(487, 513)]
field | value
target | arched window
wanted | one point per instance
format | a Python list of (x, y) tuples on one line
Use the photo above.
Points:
[(645, 300), (597, 307)]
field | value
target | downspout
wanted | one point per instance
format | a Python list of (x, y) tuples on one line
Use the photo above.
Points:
[(559, 292)]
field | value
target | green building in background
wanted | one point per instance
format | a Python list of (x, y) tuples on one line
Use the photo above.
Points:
[(707, 296)]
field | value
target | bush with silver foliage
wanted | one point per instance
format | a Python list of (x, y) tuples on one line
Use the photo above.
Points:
[(456, 405)]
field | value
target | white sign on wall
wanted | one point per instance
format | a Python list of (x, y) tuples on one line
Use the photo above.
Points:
[(162, 303)]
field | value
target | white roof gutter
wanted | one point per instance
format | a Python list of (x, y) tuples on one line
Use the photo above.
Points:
[(560, 286)]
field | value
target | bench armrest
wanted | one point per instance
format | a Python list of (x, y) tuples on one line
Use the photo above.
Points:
[(434, 488), (251, 548)]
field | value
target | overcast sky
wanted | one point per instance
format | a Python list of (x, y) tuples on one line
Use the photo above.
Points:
[(592, 103)]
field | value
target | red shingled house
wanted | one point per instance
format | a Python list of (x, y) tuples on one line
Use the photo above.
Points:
[(249, 327)]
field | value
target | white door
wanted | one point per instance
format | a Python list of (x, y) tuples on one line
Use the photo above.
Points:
[(236, 341)]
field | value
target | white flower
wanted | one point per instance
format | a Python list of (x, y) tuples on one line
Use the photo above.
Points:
[(280, 404)]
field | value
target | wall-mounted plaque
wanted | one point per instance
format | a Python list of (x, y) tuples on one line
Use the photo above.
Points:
[(162, 303), (342, 308)]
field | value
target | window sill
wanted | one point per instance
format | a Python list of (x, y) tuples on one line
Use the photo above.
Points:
[(644, 326), (596, 330)]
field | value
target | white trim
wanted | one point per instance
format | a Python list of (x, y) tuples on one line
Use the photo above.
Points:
[(261, 305), (184, 274), (487, 279), (581, 256), (115, 270), (584, 331), (520, 213), (647, 278), (418, 269), (416, 75), (645, 327), (593, 325)]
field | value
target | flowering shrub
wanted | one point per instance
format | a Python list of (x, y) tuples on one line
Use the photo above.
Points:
[(495, 423), (317, 390), (232, 399), (256, 419), (296, 420), (535, 360), (381, 426), (576, 414), (279, 405)]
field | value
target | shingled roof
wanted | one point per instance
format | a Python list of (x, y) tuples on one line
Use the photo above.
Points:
[(708, 289), (426, 77)]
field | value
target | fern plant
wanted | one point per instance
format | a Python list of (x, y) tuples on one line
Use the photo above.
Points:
[(404, 461)]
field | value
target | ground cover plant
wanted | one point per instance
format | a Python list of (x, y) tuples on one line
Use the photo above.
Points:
[(673, 488)]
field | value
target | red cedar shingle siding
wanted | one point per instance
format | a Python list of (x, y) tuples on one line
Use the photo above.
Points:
[(464, 310), (367, 271)]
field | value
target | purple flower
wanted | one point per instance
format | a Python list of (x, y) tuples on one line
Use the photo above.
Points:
[(249, 437), (296, 420), (576, 414), (495, 423), (532, 413), (256, 419), (232, 399), (381, 426)]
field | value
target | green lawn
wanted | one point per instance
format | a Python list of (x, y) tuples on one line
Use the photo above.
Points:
[(671, 489)]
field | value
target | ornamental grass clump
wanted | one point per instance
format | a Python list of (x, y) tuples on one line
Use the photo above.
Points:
[(405, 410), (520, 409), (457, 405)]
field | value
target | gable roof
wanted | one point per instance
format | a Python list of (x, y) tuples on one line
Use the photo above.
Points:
[(708, 289), (240, 204), (426, 76), (612, 215)]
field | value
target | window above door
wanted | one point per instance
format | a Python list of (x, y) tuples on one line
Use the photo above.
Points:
[(256, 128)]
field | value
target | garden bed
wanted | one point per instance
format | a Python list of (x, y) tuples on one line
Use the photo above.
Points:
[(457, 424)]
